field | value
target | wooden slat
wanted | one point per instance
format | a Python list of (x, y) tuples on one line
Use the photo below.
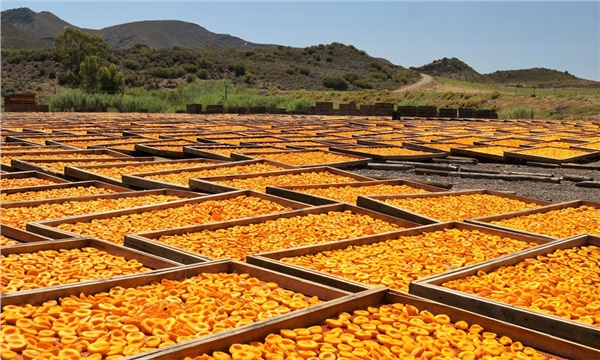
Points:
[(431, 155), (357, 160)]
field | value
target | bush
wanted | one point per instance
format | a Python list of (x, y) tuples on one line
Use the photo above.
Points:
[(132, 80), (202, 74), (304, 71), (67, 78), (335, 83), (190, 78), (239, 69), (363, 84), (495, 95), (519, 112)]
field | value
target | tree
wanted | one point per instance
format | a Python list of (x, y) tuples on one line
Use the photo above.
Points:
[(89, 74), (111, 80), (73, 46)]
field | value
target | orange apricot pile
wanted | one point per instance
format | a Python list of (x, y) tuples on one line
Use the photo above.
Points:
[(6, 158), (85, 144), (6, 241), (183, 177), (55, 193), (19, 216), (26, 271), (391, 331), (387, 150), (127, 321), (397, 262), (260, 183), (460, 207), (24, 182), (492, 150), (306, 158), (553, 152), (511, 142), (140, 167), (42, 140), (563, 283), (562, 223), (229, 151), (237, 242), (350, 193), (114, 229), (59, 166)]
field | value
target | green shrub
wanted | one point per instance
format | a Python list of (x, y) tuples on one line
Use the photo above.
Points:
[(335, 83)]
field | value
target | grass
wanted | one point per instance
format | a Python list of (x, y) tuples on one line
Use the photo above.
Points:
[(565, 104)]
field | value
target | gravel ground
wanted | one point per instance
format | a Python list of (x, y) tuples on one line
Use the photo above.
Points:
[(561, 192)]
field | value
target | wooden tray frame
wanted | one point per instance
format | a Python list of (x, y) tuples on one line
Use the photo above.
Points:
[(431, 288), (318, 314), (517, 155), (208, 184), (327, 294), (359, 160), (48, 227), (376, 202), (432, 155), (32, 174), (148, 242), (148, 260), (485, 221), (139, 180), (271, 260), (81, 173), (22, 236), (198, 151), (65, 185), (471, 152), (124, 193), (289, 192)]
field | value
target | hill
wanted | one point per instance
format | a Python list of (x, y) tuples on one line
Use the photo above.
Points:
[(539, 77), (453, 68), (32, 30), (43, 27), (169, 33)]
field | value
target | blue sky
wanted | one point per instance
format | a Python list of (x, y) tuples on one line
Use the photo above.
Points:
[(488, 35)]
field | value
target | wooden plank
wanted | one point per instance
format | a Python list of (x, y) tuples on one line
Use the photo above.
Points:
[(295, 192), (360, 301), (486, 220), (271, 260), (377, 203), (473, 153), (579, 332), (209, 185), (81, 172), (141, 181), (48, 227), (148, 241)]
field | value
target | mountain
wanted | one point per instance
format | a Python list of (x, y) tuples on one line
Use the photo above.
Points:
[(169, 33), (29, 29), (458, 70), (540, 77), (453, 69), (43, 27)]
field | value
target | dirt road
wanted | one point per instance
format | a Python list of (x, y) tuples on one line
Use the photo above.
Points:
[(425, 80)]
